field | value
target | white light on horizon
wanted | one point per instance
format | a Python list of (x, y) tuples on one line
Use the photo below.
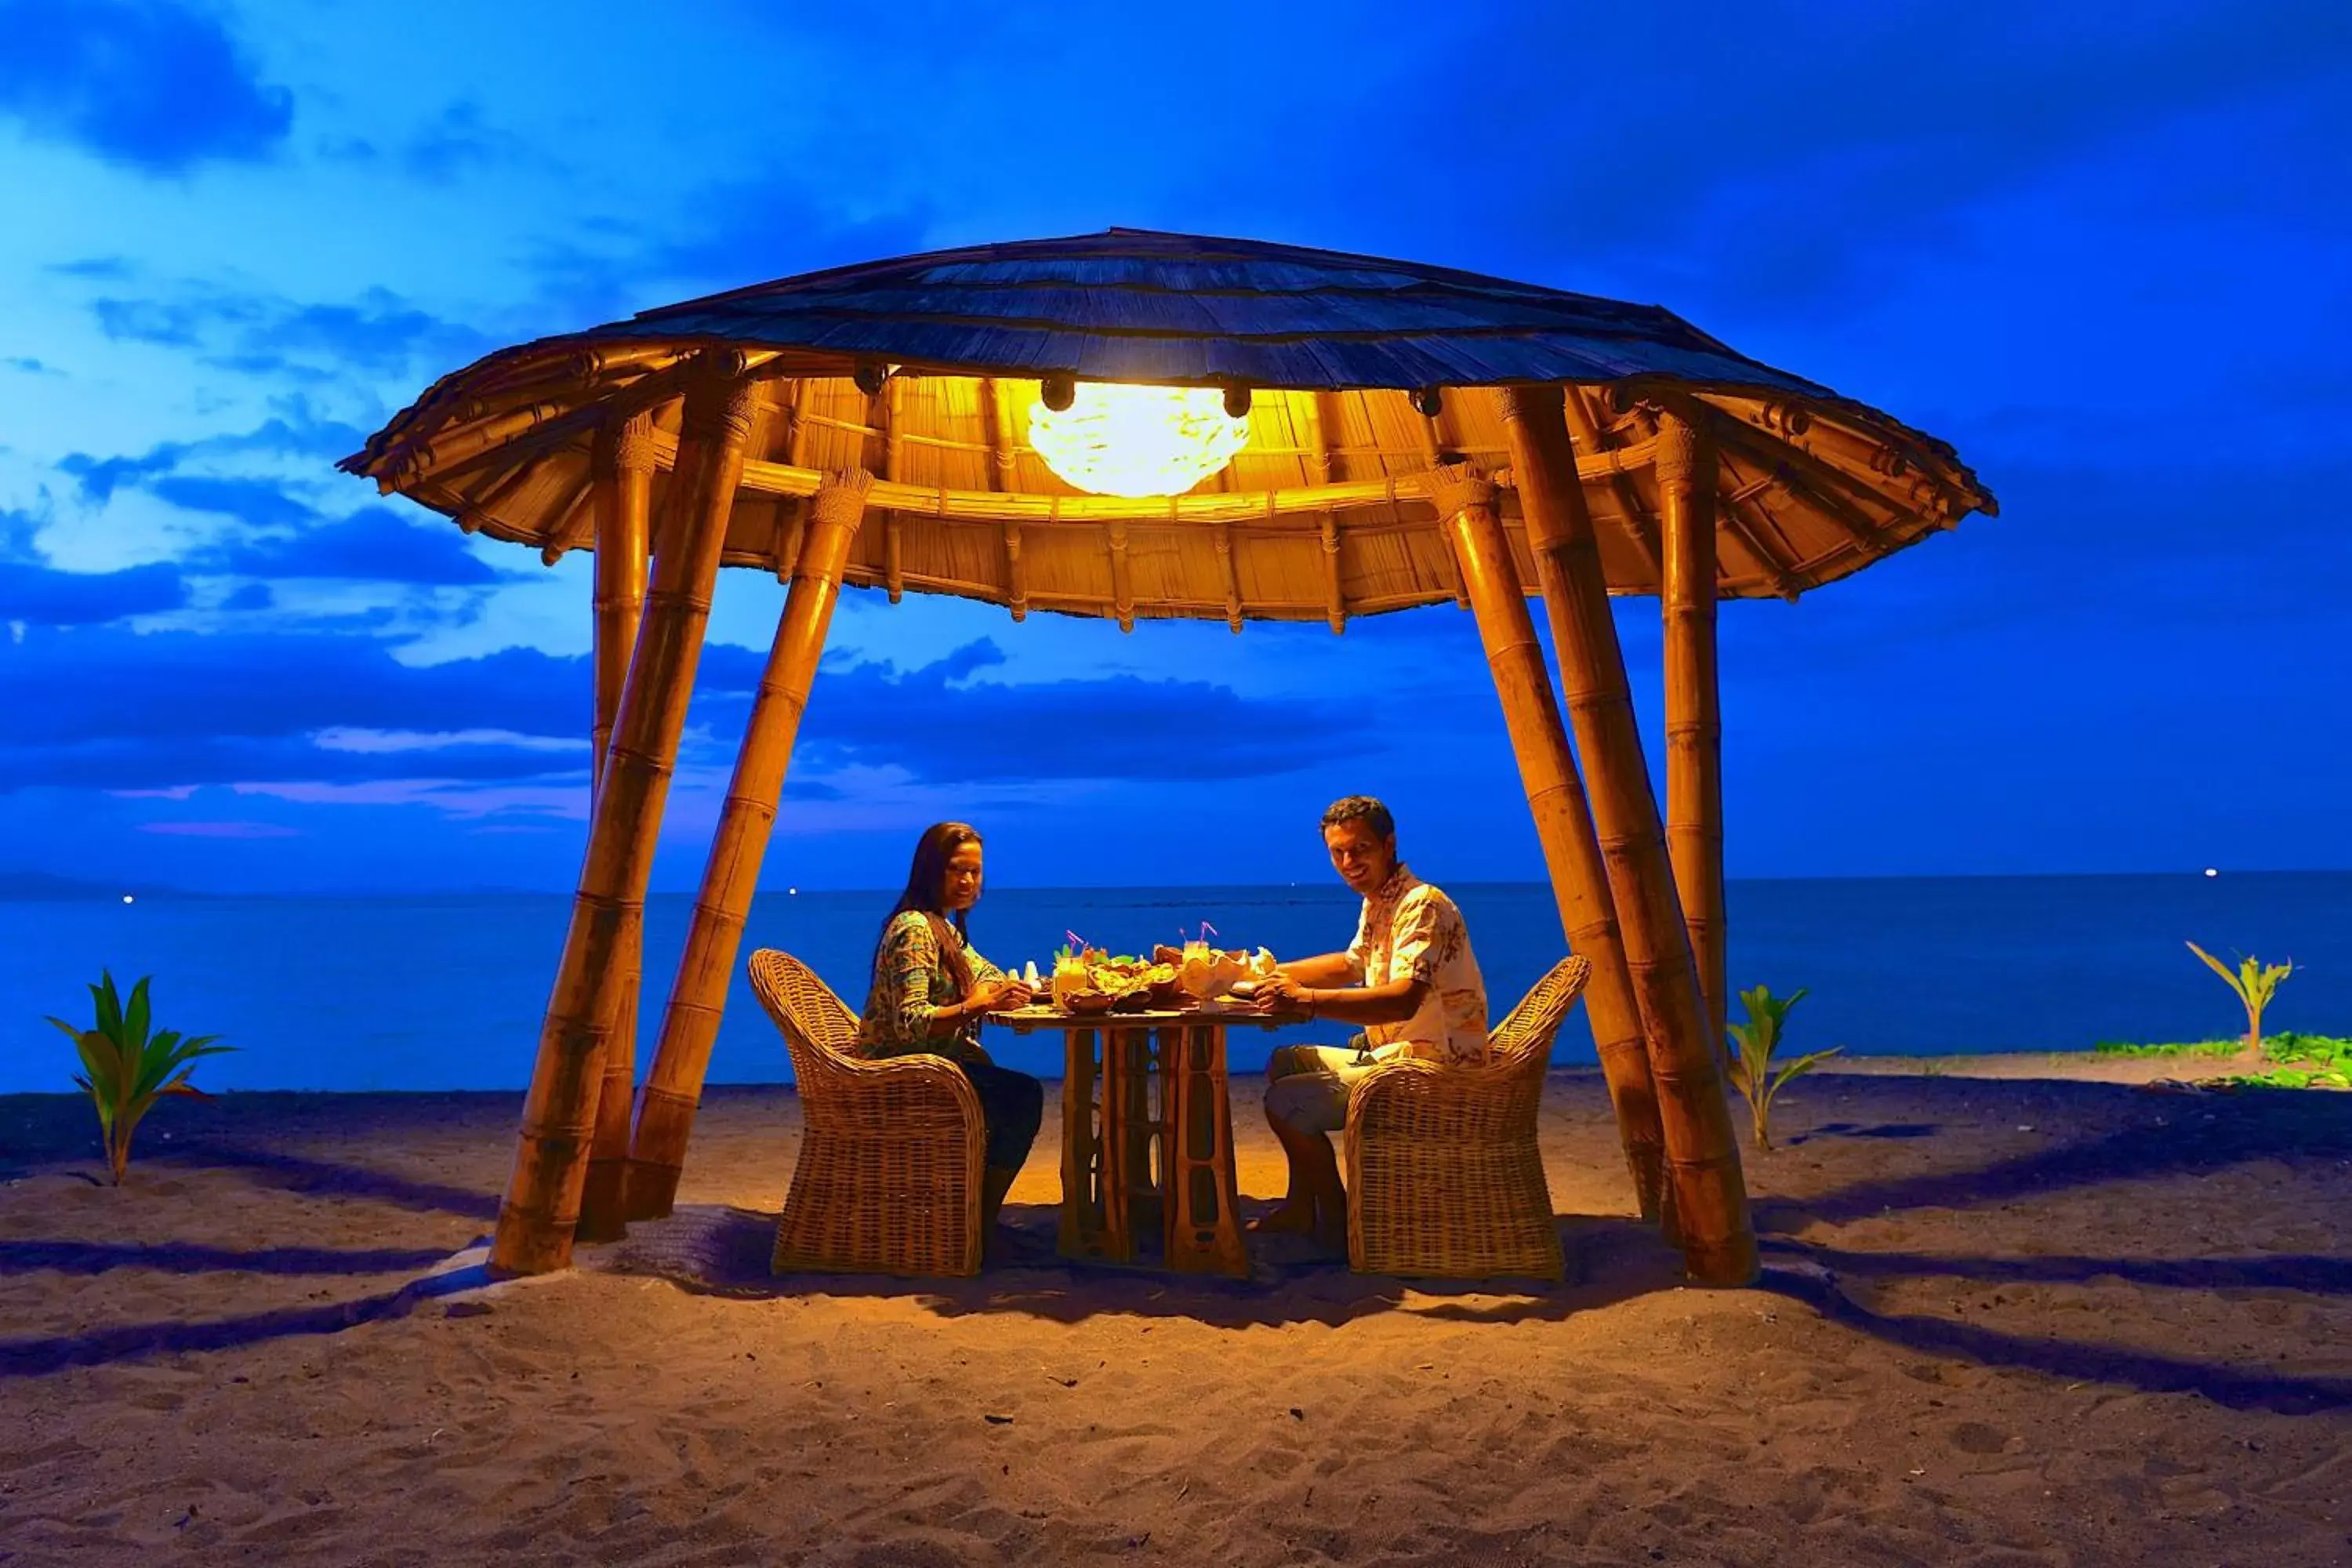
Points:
[(2211, 872), (126, 898)]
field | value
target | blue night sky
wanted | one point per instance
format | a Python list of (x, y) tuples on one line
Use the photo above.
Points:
[(2106, 250)]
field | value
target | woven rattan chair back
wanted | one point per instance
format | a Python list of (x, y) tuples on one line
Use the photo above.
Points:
[(1533, 1026), (820, 1031), (888, 1175), (1444, 1171)]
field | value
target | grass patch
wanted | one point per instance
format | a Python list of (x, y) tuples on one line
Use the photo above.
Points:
[(2184, 1049), (2292, 1061)]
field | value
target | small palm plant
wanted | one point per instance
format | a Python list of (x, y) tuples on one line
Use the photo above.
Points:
[(1753, 1072), (2255, 982), (126, 1069)]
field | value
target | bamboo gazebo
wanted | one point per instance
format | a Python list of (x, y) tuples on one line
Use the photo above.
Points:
[(1363, 436)]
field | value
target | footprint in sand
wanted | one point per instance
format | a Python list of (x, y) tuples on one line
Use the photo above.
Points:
[(1976, 1437)]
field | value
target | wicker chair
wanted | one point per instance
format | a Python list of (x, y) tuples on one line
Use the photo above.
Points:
[(1443, 1175), (889, 1170)]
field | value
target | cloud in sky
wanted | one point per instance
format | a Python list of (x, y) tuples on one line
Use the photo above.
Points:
[(373, 544), (258, 334), (296, 432), (46, 597), (254, 500), (334, 708), (154, 86)]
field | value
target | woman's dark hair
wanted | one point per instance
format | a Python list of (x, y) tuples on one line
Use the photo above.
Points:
[(1361, 808), (926, 883)]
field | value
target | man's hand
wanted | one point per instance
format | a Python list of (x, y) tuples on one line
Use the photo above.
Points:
[(1278, 991)]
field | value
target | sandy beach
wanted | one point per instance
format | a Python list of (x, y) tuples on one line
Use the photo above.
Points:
[(2002, 1321)]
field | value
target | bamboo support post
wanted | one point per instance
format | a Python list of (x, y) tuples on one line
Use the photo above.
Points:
[(698, 998), (536, 1220), (1686, 487), (1710, 1200), (622, 463), (1562, 815)]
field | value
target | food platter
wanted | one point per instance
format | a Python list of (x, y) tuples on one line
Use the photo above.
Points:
[(1090, 982)]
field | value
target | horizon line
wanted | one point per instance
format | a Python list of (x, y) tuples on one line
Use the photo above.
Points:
[(65, 890)]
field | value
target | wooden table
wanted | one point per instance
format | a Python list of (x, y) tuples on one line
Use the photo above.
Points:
[(1136, 1085)]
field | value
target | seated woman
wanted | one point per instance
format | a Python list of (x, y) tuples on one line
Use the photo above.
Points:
[(930, 990)]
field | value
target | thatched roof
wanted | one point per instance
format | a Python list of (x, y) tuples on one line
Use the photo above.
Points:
[(1321, 517)]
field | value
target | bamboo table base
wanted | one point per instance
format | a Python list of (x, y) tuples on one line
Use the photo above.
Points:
[(1147, 1138)]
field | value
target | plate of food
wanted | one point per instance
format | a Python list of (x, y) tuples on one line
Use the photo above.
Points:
[(1090, 980)]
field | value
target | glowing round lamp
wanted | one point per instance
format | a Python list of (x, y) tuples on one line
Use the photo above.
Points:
[(1120, 440)]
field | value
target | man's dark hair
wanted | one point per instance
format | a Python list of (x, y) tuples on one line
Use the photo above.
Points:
[(1361, 808)]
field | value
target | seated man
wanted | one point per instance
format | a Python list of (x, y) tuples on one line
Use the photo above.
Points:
[(1408, 979)]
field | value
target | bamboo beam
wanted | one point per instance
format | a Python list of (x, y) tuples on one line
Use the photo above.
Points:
[(1686, 490), (1563, 817), (1709, 1198), (471, 518), (996, 426), (1335, 602), (1016, 582), (1769, 565), (622, 466), (1122, 584), (529, 433), (996, 423), (536, 1221), (1315, 435), (698, 998), (894, 447), (1813, 482), (1882, 462), (803, 426), (1205, 506), (1585, 427), (1231, 574), (575, 524)]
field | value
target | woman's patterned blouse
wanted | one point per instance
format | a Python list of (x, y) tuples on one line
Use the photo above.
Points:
[(911, 983)]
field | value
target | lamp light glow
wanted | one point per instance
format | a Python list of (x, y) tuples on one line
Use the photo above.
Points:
[(1120, 440)]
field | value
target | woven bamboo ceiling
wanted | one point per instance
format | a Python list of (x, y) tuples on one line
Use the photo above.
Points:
[(1322, 516)]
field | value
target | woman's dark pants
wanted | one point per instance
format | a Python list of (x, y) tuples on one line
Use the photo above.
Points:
[(1012, 1104)]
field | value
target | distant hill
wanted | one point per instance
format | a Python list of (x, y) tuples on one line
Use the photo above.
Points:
[(25, 886)]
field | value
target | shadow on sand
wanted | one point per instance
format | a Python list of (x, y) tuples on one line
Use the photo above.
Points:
[(724, 1252)]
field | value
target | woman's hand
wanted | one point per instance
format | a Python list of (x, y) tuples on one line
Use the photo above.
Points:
[(996, 996)]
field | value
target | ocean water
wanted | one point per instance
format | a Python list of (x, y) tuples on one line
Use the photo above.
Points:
[(448, 993)]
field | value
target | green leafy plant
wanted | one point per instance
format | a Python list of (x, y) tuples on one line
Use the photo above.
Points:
[(2305, 1061), (1753, 1072), (2255, 983), (2177, 1048), (126, 1069)]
